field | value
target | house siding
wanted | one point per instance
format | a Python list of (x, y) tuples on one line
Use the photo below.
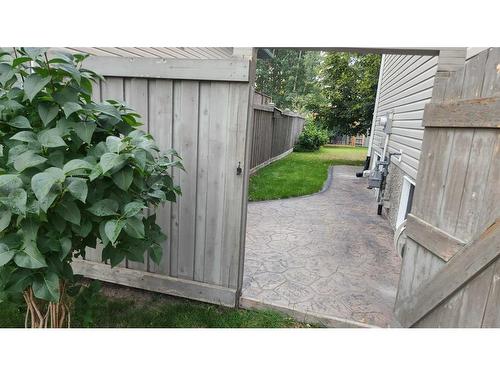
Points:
[(406, 86)]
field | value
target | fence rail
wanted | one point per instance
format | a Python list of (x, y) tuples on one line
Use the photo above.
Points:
[(274, 134)]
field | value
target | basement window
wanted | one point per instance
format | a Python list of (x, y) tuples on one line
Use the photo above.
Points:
[(406, 200)]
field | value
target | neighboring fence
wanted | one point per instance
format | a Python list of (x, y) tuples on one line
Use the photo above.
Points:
[(261, 98), (355, 141), (200, 108), (450, 274), (274, 134)]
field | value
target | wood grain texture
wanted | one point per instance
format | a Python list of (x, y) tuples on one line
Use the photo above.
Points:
[(160, 126), (189, 69), (469, 113), (157, 283), (136, 95), (491, 82), (461, 268), (217, 144), (491, 316), (186, 108), (437, 241)]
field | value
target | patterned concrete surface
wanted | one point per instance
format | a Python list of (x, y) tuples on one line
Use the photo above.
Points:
[(327, 253)]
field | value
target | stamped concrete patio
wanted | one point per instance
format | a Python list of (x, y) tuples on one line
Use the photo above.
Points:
[(327, 257)]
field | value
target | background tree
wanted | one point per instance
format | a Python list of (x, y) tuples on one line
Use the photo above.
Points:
[(289, 77), (73, 174), (348, 90), (338, 89)]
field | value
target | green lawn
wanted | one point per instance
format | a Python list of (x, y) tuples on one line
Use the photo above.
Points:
[(161, 313), (301, 173)]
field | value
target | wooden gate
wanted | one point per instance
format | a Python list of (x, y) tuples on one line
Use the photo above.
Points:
[(451, 268), (200, 108)]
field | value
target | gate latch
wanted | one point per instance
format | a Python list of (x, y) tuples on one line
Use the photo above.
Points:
[(238, 169)]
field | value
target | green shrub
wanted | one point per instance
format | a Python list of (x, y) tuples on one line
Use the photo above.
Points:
[(73, 174), (311, 138)]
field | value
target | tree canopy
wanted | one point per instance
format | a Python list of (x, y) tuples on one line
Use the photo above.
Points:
[(339, 89), (348, 90), (289, 77)]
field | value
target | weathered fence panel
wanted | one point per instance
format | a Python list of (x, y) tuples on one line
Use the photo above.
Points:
[(451, 263), (262, 136), (206, 121), (274, 134)]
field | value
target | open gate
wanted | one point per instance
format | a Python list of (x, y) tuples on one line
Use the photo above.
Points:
[(450, 275)]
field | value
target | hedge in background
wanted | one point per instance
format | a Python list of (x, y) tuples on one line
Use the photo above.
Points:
[(311, 138)]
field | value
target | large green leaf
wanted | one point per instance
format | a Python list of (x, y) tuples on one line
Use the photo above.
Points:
[(20, 122), (47, 201), (96, 172), (30, 257), (6, 254), (33, 84), (28, 159), (19, 280), (134, 227), (69, 211), (65, 243), (17, 201), (41, 183), (133, 208), (78, 188), (70, 107), (47, 287), (110, 160), (123, 178), (65, 126), (114, 144), (6, 73), (105, 207), (75, 165), (9, 182), (112, 228), (51, 138), (155, 252), (29, 228), (34, 52), (47, 112), (102, 234), (107, 109), (85, 130), (25, 136), (5, 216)]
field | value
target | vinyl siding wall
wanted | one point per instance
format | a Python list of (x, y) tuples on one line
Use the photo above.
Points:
[(406, 86)]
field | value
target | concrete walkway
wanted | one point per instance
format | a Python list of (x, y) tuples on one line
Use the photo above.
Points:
[(326, 255)]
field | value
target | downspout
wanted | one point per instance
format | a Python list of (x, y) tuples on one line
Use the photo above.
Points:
[(372, 129)]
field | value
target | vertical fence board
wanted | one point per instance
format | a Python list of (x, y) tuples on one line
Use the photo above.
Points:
[(491, 82), (136, 95), (219, 98), (492, 312), (447, 213), (475, 188), (238, 96), (186, 123), (160, 125), (202, 188)]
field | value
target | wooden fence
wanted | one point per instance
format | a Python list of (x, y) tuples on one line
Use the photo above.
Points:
[(274, 134), (355, 141), (200, 108), (450, 274)]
